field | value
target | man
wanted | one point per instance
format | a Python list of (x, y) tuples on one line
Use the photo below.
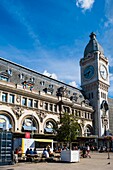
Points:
[(45, 153)]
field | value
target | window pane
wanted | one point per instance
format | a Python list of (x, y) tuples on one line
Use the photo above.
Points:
[(30, 101), (24, 101), (4, 97), (51, 107), (11, 98), (55, 108), (35, 103), (46, 106)]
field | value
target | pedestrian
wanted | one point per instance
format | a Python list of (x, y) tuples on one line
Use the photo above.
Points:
[(45, 153), (27, 151), (88, 151), (31, 151), (84, 151), (35, 151)]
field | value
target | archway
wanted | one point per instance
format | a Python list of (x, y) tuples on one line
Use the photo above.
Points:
[(6, 121), (88, 130), (79, 131), (30, 124), (50, 126)]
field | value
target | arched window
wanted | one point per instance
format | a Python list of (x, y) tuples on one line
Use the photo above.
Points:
[(5, 124), (87, 131), (29, 124), (49, 127)]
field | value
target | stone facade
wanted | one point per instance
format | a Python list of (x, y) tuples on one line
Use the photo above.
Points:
[(32, 102), (110, 101), (95, 83)]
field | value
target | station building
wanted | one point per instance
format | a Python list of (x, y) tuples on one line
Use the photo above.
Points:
[(33, 103)]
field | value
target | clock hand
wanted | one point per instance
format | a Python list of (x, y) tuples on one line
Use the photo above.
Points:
[(87, 74)]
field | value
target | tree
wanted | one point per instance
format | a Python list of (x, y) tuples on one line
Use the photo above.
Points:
[(68, 130)]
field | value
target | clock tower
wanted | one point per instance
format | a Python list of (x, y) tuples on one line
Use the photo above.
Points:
[(95, 83)]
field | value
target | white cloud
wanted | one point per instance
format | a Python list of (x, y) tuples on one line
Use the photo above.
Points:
[(73, 83), (65, 68), (111, 77), (108, 22), (111, 61), (85, 4), (53, 75), (110, 92), (108, 12)]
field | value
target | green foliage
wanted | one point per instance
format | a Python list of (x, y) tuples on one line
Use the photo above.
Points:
[(68, 130)]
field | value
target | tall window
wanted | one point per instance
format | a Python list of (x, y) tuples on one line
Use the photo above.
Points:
[(76, 113), (73, 112), (51, 107), (79, 113), (46, 106), (55, 108), (10, 72), (66, 109), (42, 83), (86, 115), (24, 101), (11, 98), (30, 102), (35, 103), (4, 97)]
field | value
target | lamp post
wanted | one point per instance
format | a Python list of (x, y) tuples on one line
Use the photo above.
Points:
[(108, 138), (32, 133), (60, 103), (105, 123), (105, 108)]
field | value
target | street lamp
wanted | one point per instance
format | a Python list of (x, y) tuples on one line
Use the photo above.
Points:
[(32, 133), (105, 123), (105, 108), (60, 103), (108, 138)]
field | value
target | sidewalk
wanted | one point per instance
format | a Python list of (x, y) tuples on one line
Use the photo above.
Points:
[(98, 161)]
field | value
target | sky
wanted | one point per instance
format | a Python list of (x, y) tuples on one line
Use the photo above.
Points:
[(49, 36)]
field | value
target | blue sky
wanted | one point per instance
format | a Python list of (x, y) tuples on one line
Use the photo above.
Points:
[(49, 36)]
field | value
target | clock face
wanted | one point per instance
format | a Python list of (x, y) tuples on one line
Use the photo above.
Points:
[(89, 72), (103, 71)]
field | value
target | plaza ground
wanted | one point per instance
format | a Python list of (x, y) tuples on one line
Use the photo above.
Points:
[(98, 161)]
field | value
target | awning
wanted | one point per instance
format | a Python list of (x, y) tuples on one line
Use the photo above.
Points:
[(48, 130), (43, 140), (3, 126), (30, 128)]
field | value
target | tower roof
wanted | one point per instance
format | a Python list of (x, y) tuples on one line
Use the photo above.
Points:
[(93, 45)]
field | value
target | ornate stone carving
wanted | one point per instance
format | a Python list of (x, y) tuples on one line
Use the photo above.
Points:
[(104, 106), (41, 116), (18, 111), (74, 98), (62, 92), (28, 84), (18, 99), (85, 102), (82, 122)]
